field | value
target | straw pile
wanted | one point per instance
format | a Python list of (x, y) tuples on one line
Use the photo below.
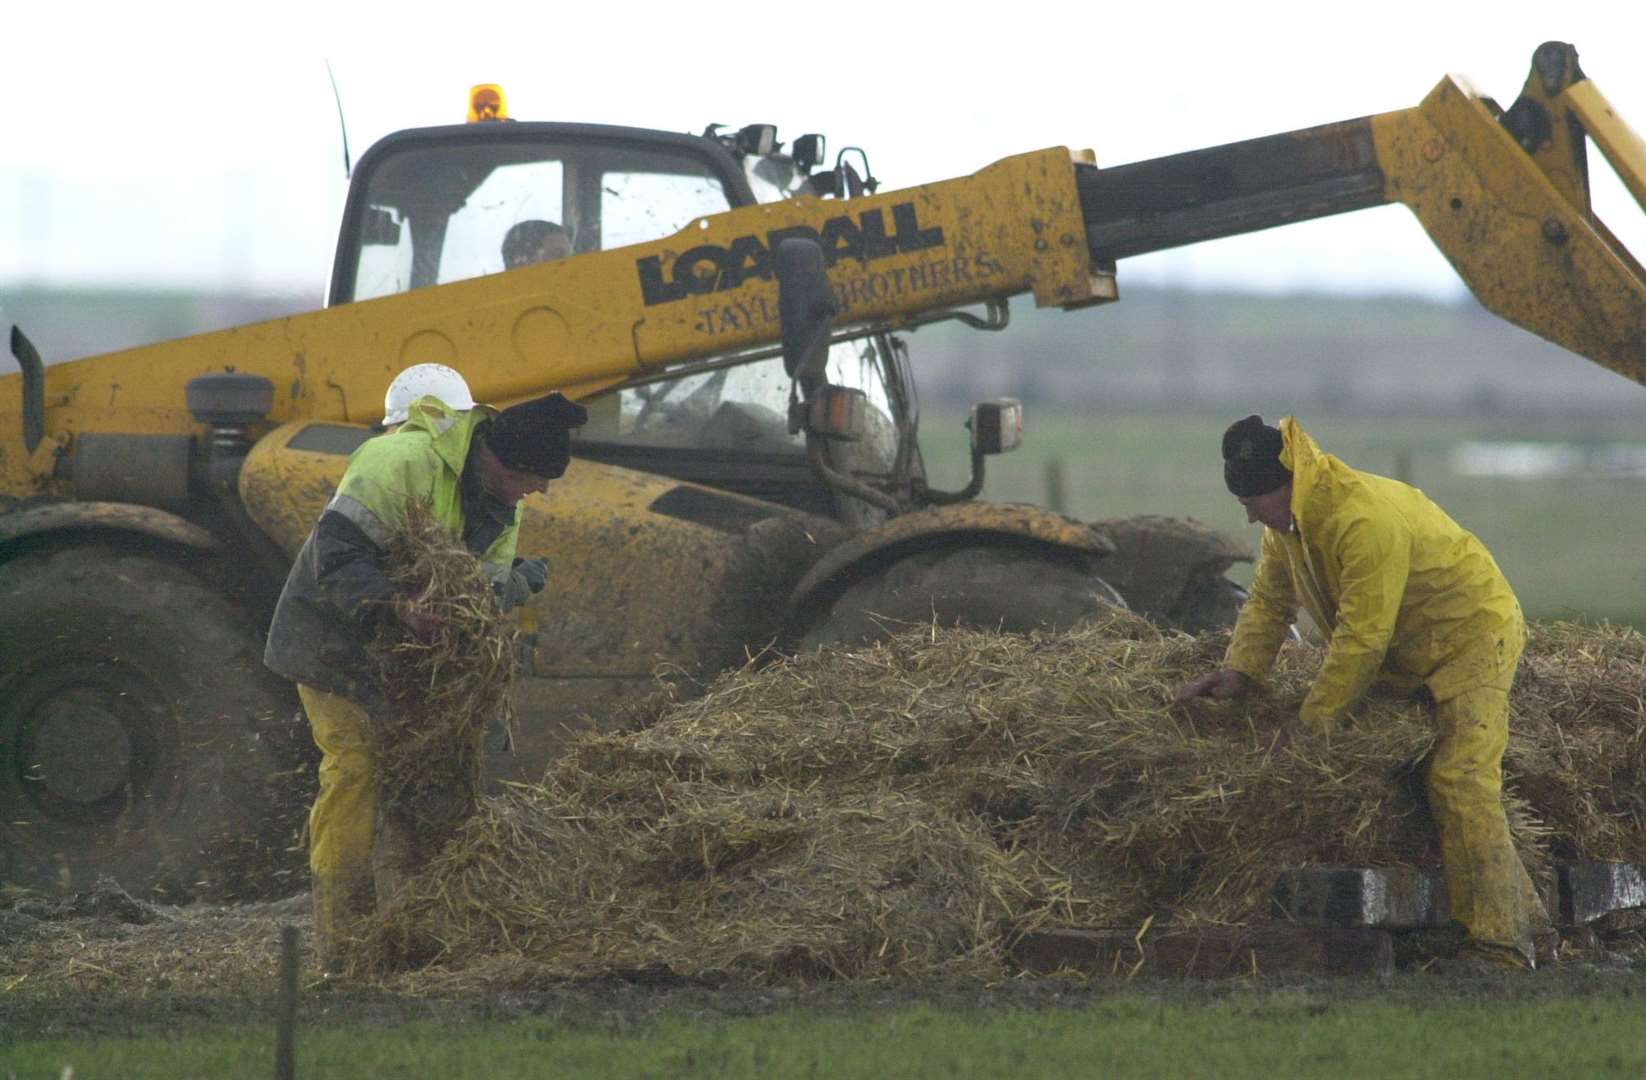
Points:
[(891, 811), (441, 693)]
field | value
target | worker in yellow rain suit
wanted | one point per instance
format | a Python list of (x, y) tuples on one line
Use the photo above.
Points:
[(1407, 595), (473, 467)]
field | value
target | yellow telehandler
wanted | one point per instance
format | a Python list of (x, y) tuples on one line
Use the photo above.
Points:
[(733, 316)]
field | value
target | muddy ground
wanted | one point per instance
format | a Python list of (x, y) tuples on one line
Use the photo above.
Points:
[(112, 966)]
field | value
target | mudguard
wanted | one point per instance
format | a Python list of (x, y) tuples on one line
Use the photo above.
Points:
[(290, 475), (970, 520), (110, 517)]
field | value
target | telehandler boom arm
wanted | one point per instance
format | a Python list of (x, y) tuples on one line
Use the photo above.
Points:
[(1505, 196)]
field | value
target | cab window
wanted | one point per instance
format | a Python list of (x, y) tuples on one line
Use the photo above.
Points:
[(439, 213)]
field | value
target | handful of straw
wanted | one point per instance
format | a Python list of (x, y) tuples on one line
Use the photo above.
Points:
[(441, 691)]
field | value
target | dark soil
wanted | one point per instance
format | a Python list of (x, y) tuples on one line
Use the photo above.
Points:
[(112, 966)]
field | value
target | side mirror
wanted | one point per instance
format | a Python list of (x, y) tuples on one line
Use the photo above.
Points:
[(808, 152), (379, 228), (997, 426), (807, 306), (757, 140)]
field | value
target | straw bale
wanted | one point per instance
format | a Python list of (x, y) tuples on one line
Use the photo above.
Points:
[(890, 810), (1577, 739)]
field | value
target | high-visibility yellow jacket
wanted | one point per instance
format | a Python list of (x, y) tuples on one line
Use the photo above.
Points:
[(337, 590), (422, 462), (1400, 589)]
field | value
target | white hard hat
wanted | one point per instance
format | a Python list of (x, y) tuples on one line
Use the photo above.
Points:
[(424, 380)]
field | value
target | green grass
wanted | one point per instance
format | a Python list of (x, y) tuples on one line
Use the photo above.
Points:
[(1571, 548), (1269, 1036)]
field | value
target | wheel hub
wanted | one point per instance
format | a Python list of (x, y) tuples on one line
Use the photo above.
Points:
[(85, 741), (82, 751)]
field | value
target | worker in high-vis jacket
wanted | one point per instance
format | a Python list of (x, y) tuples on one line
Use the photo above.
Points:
[(472, 467), (1408, 597)]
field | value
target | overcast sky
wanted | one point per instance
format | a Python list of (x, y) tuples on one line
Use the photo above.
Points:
[(192, 145)]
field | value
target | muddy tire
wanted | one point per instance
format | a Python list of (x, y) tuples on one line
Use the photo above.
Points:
[(1210, 602), (1171, 571), (140, 735), (1014, 589)]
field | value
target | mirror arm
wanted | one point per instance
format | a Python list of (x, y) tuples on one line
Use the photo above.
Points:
[(846, 484), (970, 491)]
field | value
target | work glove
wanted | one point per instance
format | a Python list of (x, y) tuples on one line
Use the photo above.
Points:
[(535, 571), (526, 579)]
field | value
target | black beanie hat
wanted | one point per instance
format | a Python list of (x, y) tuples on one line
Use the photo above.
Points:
[(1251, 458), (535, 436)]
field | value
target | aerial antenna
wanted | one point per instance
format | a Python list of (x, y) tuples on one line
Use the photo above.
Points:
[(348, 169)]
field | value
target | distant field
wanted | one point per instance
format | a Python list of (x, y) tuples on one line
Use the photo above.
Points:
[(1571, 547)]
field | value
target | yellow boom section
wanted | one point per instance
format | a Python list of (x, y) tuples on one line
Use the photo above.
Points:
[(1504, 196), (589, 322), (1527, 248)]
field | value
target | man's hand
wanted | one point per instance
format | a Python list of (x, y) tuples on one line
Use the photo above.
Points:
[(1300, 730), (526, 579), (423, 623), (1221, 684), (534, 571)]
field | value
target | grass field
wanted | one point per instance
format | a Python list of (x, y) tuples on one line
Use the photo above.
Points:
[(1238, 1031), (1570, 547)]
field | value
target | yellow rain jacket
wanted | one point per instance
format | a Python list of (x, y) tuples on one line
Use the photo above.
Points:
[(1400, 589)]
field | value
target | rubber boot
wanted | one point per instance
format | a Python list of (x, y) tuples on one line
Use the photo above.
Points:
[(340, 824)]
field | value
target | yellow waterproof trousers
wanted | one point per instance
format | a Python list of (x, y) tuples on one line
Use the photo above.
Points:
[(1489, 890), (342, 821)]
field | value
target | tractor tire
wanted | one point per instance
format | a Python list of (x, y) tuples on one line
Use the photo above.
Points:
[(141, 738), (1013, 589), (1171, 571), (1210, 602)]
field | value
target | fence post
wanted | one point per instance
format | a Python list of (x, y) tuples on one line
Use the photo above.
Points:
[(1056, 493), (285, 1025)]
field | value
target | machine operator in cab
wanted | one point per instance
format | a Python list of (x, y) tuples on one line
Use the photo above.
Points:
[(533, 241)]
